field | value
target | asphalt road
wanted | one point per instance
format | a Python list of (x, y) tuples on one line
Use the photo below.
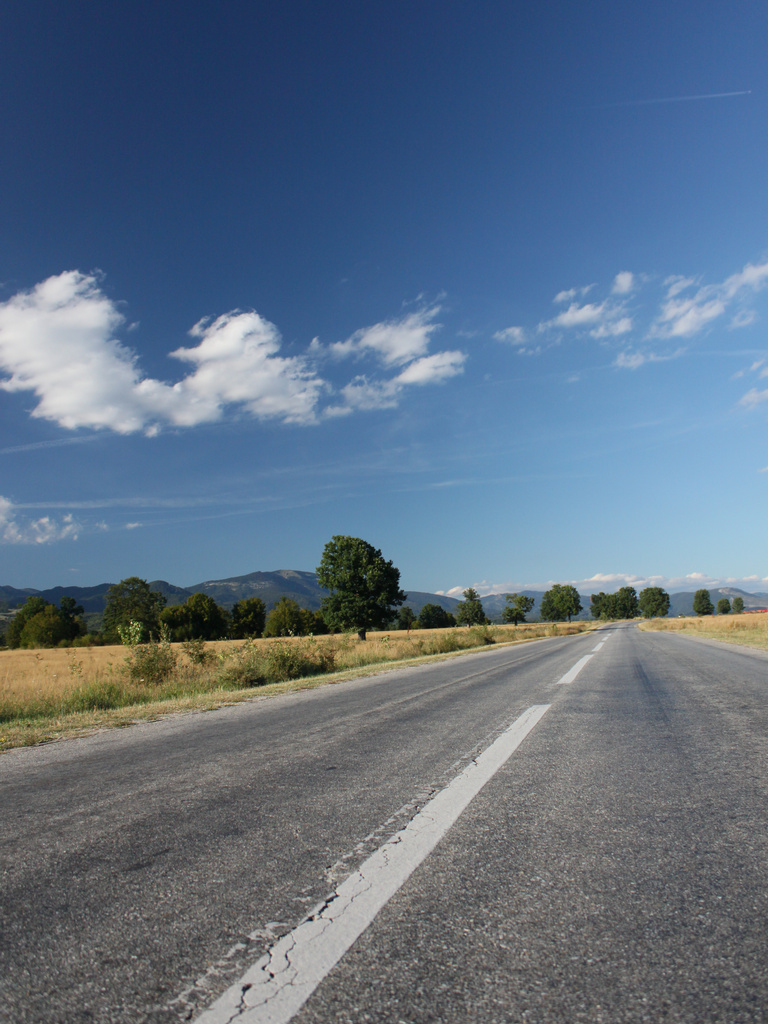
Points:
[(613, 869)]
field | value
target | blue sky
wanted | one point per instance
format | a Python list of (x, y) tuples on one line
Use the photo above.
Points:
[(485, 284)]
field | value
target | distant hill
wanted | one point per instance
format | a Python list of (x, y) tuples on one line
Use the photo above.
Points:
[(303, 588), (682, 603)]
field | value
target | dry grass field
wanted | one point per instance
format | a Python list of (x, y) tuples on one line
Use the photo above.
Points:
[(48, 694), (751, 630)]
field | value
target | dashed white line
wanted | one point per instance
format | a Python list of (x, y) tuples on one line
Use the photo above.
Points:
[(571, 674), (279, 984), (598, 646)]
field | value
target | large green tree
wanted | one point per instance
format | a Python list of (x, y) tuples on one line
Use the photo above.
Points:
[(198, 618), (470, 611), (38, 623), (723, 606), (433, 616), (131, 600), (653, 603), (560, 602), (405, 617), (516, 608), (702, 602), (738, 605), (286, 619), (364, 588), (248, 618), (626, 603)]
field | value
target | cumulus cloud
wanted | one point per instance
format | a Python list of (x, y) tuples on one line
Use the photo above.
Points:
[(684, 309), (511, 335), (17, 529), (578, 316), (432, 369), (569, 294), (58, 341), (607, 319), (683, 315), (395, 341), (623, 283)]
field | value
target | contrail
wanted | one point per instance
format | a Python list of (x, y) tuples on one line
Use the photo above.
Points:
[(48, 444), (676, 99)]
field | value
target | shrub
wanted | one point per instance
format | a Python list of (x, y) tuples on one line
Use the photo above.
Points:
[(196, 652), (150, 663)]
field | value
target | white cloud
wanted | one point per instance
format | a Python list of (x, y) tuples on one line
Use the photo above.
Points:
[(395, 342), (744, 318), (623, 283), (432, 369), (634, 360), (58, 341), (613, 328), (512, 335), (15, 529), (578, 316), (677, 283), (605, 319), (754, 397), (686, 316), (237, 362), (364, 394), (570, 293)]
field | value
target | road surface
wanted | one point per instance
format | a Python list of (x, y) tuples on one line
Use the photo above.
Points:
[(603, 803)]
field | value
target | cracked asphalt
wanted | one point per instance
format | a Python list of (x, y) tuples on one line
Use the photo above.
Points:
[(613, 870)]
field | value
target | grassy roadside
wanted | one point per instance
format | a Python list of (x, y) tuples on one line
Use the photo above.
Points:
[(57, 694), (748, 630)]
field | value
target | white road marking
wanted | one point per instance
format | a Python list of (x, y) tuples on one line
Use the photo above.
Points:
[(278, 985), (598, 646), (571, 674)]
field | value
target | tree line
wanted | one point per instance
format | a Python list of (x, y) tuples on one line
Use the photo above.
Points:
[(363, 592)]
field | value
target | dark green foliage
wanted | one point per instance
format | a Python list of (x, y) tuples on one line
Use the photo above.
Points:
[(248, 618), (287, 619), (364, 588), (432, 616), (723, 606), (517, 607), (626, 603), (738, 605), (199, 618), (31, 607), (560, 602), (131, 600), (702, 603), (405, 618), (653, 603), (469, 612), (38, 623), (621, 605)]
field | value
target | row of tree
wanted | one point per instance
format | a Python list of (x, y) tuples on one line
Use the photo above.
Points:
[(652, 603), (363, 593), (702, 604)]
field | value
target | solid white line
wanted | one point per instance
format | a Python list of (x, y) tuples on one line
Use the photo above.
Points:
[(571, 674), (278, 985)]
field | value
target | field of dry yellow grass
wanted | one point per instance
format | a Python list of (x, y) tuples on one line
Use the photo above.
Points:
[(49, 694), (750, 630)]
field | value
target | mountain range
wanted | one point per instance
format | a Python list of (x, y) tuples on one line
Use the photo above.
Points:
[(303, 588)]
